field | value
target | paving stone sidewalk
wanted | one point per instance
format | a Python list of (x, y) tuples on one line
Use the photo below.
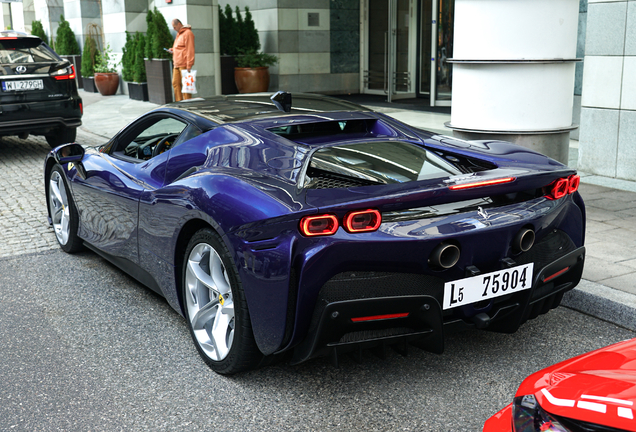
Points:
[(608, 290)]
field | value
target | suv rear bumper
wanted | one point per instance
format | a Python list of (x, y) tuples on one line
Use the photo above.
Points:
[(35, 117)]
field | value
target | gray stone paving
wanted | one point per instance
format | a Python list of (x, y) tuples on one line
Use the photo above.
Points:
[(23, 217)]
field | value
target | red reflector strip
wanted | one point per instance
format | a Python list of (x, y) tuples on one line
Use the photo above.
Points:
[(482, 183), (380, 317), (557, 274)]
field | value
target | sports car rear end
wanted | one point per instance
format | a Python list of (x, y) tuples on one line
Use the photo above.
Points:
[(408, 240)]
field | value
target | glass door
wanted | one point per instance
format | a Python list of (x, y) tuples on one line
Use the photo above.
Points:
[(441, 72), (389, 48)]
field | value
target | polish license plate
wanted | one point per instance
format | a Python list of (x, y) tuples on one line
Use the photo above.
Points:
[(487, 286), (22, 85)]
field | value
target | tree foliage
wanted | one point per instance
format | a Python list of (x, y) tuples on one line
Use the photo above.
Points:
[(150, 33), (128, 58), (139, 67), (162, 38), (237, 35), (65, 42), (38, 30), (88, 57)]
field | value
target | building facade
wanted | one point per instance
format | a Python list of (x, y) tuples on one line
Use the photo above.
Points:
[(396, 48)]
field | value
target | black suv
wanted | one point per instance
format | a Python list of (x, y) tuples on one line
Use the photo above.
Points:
[(38, 90)]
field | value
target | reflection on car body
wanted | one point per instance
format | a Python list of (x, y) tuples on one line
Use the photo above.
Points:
[(324, 230)]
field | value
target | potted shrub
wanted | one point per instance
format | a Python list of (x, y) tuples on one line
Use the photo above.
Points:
[(237, 35), (138, 88), (252, 71), (88, 65), (106, 77), (157, 62), (66, 46)]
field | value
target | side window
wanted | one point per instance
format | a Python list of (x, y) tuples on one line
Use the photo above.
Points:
[(190, 132), (150, 138)]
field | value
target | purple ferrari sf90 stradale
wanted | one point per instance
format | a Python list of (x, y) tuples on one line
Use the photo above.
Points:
[(318, 227)]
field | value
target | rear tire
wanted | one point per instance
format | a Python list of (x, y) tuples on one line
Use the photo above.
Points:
[(63, 212), (61, 136), (215, 306)]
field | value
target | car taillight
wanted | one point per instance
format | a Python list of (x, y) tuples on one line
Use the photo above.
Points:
[(64, 74), (482, 183), (362, 221), (562, 187), (574, 181), (322, 225)]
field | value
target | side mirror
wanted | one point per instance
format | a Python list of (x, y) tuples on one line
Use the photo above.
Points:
[(72, 153)]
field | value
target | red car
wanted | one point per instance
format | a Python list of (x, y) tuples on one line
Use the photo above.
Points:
[(592, 392)]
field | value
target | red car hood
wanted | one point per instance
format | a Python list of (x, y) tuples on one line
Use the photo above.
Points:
[(597, 387)]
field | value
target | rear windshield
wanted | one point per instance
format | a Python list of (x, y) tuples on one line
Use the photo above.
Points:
[(370, 163), (27, 50)]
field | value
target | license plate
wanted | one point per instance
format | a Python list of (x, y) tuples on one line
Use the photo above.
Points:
[(487, 286), (22, 85)]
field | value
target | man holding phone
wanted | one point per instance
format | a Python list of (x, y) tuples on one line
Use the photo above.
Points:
[(182, 56)]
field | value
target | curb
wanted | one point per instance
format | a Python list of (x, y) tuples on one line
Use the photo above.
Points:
[(608, 304)]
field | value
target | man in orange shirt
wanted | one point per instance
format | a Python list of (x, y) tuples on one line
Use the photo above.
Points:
[(182, 56)]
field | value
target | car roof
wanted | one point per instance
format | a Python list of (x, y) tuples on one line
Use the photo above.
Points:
[(238, 108), (15, 34)]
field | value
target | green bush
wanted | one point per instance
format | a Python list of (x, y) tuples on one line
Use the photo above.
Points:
[(237, 35), (65, 43), (38, 30), (150, 33), (249, 34), (88, 57), (103, 62), (128, 58), (139, 67), (161, 37), (254, 59)]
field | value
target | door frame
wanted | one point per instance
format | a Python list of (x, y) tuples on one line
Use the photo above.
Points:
[(390, 91)]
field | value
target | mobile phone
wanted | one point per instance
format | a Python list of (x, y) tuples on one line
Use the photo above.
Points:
[(165, 49)]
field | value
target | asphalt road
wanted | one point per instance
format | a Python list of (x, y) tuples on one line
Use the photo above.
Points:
[(85, 347)]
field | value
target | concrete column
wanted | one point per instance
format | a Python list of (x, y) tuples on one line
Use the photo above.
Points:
[(607, 143), (119, 17), (28, 15), (48, 12), (80, 14), (513, 72)]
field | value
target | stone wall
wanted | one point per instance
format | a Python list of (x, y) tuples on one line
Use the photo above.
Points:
[(608, 101)]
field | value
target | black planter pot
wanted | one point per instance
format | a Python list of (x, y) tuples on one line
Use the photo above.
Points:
[(76, 60), (138, 91), (159, 76), (89, 84), (228, 84)]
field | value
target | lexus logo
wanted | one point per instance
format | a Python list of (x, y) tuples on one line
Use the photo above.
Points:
[(20, 69)]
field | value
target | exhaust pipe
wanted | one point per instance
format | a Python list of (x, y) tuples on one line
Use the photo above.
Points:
[(523, 241), (445, 255)]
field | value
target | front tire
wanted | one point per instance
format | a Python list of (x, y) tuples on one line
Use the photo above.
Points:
[(61, 136), (63, 212), (215, 306)]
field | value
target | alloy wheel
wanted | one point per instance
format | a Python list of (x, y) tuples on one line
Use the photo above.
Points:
[(209, 301)]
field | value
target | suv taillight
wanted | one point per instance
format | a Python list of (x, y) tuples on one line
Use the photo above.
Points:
[(64, 74)]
